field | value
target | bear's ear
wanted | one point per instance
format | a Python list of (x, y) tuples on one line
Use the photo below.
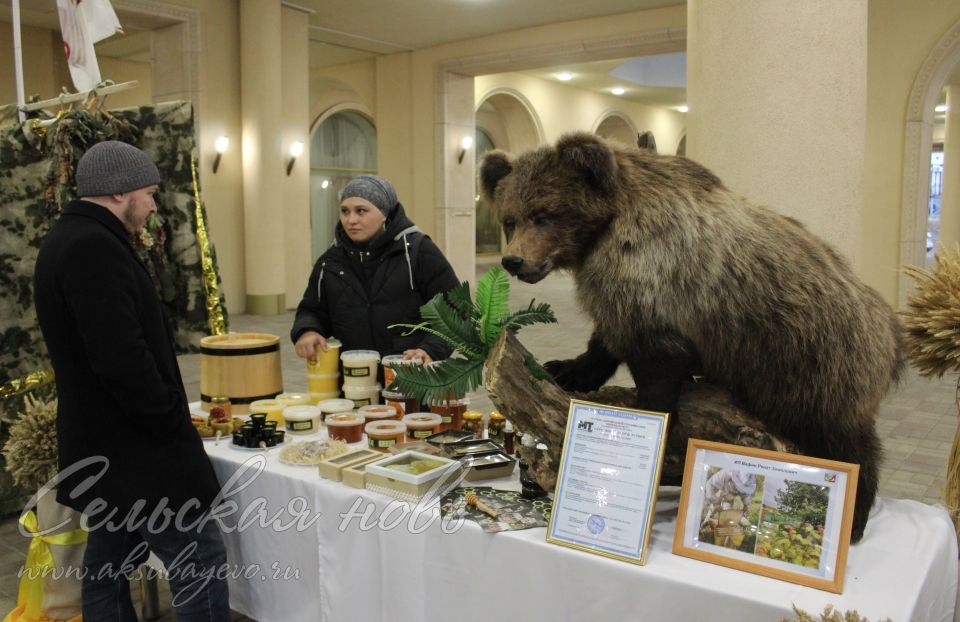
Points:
[(494, 167), (592, 156)]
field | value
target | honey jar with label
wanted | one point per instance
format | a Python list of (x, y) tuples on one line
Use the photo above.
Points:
[(495, 426), (473, 422)]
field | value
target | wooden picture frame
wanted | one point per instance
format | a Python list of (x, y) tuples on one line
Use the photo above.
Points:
[(608, 480), (779, 515)]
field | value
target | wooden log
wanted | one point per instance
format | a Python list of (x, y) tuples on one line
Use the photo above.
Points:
[(526, 395)]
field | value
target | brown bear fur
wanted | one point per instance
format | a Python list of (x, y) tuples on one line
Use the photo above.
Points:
[(680, 274)]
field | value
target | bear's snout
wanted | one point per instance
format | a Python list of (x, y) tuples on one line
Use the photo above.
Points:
[(512, 263)]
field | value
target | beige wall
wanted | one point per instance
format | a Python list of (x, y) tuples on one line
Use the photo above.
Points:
[(900, 35), (562, 108), (39, 47), (400, 92)]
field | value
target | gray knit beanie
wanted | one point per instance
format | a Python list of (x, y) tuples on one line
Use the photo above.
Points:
[(114, 167), (373, 188)]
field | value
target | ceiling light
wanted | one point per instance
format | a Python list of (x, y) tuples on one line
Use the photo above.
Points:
[(564, 76), (325, 184), (941, 108), (618, 90), (682, 108)]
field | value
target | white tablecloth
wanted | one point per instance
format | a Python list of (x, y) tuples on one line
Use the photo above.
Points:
[(351, 569)]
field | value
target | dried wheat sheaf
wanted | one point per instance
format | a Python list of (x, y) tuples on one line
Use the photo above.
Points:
[(932, 321), (31, 450)]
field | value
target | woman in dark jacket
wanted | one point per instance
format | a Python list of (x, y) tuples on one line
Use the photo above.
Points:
[(380, 270)]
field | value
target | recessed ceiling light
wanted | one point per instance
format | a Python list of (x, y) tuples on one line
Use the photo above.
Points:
[(682, 108), (941, 108), (618, 90), (564, 76)]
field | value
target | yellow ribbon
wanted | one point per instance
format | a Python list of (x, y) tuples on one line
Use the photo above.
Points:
[(218, 324), (39, 558), (27, 383)]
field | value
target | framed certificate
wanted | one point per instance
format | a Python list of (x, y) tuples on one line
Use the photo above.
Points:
[(608, 480), (780, 515)]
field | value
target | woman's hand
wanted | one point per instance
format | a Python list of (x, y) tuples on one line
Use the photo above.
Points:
[(417, 353), (308, 344)]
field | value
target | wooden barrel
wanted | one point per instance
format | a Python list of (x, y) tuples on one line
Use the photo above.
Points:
[(241, 366)]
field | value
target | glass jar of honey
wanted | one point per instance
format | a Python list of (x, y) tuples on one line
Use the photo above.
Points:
[(223, 402), (495, 426), (473, 422)]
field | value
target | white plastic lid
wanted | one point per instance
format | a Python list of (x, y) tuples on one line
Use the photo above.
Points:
[(397, 359), (419, 421), (344, 419), (334, 344), (385, 428), (335, 405), (377, 411), (356, 356), (301, 412)]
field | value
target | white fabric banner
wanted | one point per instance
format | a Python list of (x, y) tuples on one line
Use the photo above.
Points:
[(83, 23)]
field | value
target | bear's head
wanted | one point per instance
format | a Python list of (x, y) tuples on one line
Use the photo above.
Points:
[(553, 202)]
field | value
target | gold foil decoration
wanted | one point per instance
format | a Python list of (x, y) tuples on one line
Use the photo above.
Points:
[(27, 383), (218, 325)]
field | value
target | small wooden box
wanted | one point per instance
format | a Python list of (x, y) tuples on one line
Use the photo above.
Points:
[(408, 486), (355, 475), (332, 468)]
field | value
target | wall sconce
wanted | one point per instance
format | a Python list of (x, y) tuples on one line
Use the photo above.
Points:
[(465, 144), (295, 150), (220, 146)]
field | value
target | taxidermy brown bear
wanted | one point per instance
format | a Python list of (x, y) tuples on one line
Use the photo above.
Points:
[(678, 273)]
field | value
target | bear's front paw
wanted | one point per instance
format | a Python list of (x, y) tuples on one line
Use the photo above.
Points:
[(570, 377)]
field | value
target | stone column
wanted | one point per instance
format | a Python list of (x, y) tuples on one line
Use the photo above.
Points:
[(262, 150), (456, 180), (777, 97), (296, 128), (950, 198)]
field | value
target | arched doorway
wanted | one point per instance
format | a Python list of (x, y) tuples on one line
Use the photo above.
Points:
[(343, 146), (933, 76), (617, 127), (504, 120)]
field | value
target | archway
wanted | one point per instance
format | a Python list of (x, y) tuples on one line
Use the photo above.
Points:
[(505, 120), (617, 126), (343, 144), (942, 61)]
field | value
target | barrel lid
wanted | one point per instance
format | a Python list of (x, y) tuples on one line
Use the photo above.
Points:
[(239, 340)]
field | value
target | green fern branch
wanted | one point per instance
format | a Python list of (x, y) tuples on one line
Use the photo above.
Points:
[(434, 383), (493, 299), (471, 329)]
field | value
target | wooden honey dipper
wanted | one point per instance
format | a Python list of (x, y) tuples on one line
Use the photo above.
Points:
[(474, 500)]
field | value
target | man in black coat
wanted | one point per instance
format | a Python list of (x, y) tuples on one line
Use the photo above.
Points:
[(126, 445)]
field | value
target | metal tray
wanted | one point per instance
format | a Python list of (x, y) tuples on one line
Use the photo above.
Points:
[(472, 448), (488, 466), (448, 437)]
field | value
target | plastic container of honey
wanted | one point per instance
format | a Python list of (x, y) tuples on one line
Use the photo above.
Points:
[(379, 412), (328, 407), (384, 433), (272, 408), (403, 403), (362, 395), (360, 367), (347, 427), (316, 398), (422, 425), (293, 399), (451, 413), (323, 383), (301, 419), (327, 361)]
